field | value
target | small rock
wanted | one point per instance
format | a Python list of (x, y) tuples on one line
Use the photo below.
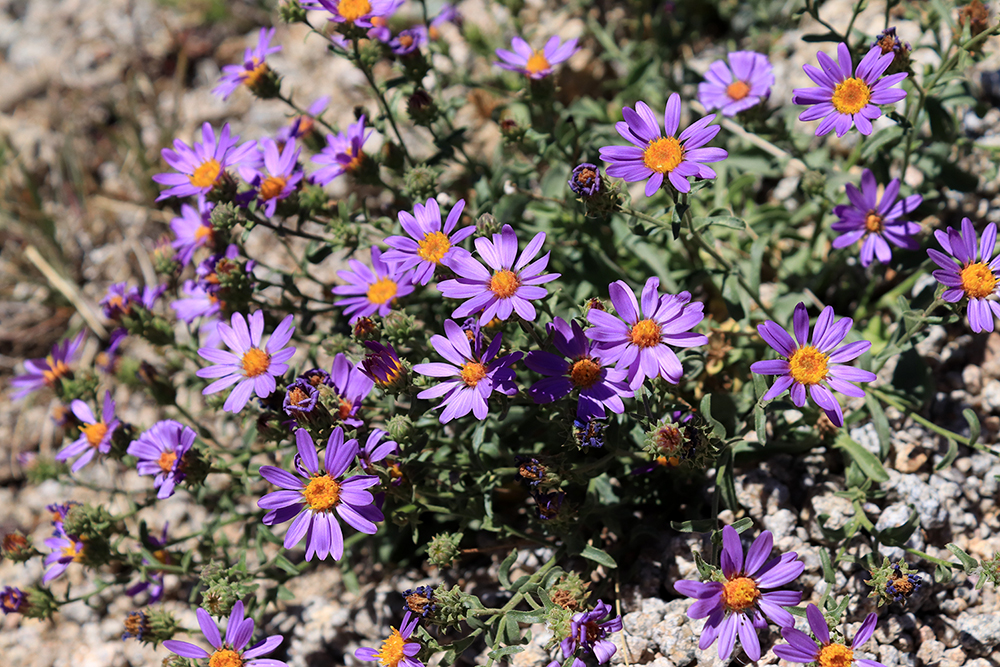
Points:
[(978, 633), (677, 635), (909, 458), (972, 378)]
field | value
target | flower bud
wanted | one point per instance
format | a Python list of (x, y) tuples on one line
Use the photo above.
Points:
[(291, 11), (400, 428), (421, 108), (39, 603), (224, 217), (443, 550), (16, 546), (421, 182), (487, 225)]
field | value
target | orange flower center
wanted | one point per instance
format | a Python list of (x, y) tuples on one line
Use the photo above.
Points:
[(671, 462), (835, 655), (663, 155), (72, 552), (392, 650), (344, 410), (352, 10), (504, 283), (978, 280), (434, 247), (537, 63), (645, 333), (873, 223), (740, 593), (57, 369), (255, 362), (355, 159), (225, 658), (296, 396), (253, 76), (382, 290), (95, 433), (472, 373), (206, 174), (272, 187), (203, 232), (322, 493), (851, 96), (808, 365), (405, 41), (166, 461), (585, 373), (737, 90)]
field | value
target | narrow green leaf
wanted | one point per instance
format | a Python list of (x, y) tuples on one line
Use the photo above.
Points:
[(968, 562), (590, 552), (949, 456), (503, 574), (897, 536), (498, 653), (975, 429), (695, 526), (724, 480), (829, 576), (880, 140), (867, 461), (881, 423)]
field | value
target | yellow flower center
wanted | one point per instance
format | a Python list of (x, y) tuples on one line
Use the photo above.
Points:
[(72, 552), (382, 290), (352, 10), (392, 650), (835, 655), (537, 63), (740, 593), (322, 493), (255, 362), (663, 155), (808, 365), (585, 373), (873, 223), (472, 373), (57, 369), (95, 433), (225, 658), (297, 396), (253, 76), (203, 232), (206, 174), (355, 159), (851, 96), (166, 461), (978, 280), (272, 187), (645, 333), (162, 555), (504, 283), (737, 90), (434, 247), (344, 409), (405, 41)]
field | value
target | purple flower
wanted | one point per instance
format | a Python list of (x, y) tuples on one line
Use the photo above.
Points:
[(312, 496), (448, 14), (816, 365), (408, 41), (744, 83), (876, 222), (301, 398), (162, 451), (375, 450), (302, 126), (735, 606), (427, 245), (193, 230), (254, 367), (66, 549), (372, 290), (59, 512), (200, 167), (281, 176), (153, 580), (473, 375), (512, 285), (535, 64), (360, 12), (11, 600), (382, 365), (253, 68), (639, 341), (397, 649), (843, 99), (654, 155), (352, 387), (600, 386), (342, 153), (50, 371), (800, 648), (974, 279), (95, 434), (585, 180), (588, 631), (232, 652)]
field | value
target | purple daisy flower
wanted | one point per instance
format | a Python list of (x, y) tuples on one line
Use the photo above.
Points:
[(800, 648), (473, 375), (121, 298), (816, 365), (360, 12), (448, 14), (193, 230), (281, 174), (50, 371), (876, 222), (512, 285), (736, 605), (66, 549), (312, 496), (200, 302), (408, 41), (535, 64), (153, 581), (161, 451), (588, 631), (398, 649), (253, 69), (585, 180), (342, 153), (373, 290), (639, 340), (199, 167), (654, 155), (302, 126), (11, 600), (352, 387), (375, 450), (969, 277), (844, 99), (254, 367), (427, 245), (383, 366), (744, 83), (600, 385), (95, 434), (232, 652), (300, 401)]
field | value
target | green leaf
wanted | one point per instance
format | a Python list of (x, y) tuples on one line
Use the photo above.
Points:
[(829, 576), (968, 562), (881, 423), (942, 574), (286, 565), (867, 461), (974, 427), (590, 552), (759, 418), (724, 480), (534, 616), (695, 526), (879, 142), (949, 456), (503, 574), (897, 536), (701, 222), (285, 594), (498, 653)]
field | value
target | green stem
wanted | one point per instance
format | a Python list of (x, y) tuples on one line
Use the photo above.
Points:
[(940, 430), (933, 559), (381, 98)]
